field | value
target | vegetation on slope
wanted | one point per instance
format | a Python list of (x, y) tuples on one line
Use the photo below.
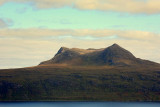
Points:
[(89, 83)]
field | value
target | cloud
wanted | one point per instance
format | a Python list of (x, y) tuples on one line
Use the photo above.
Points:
[(28, 47), (3, 1), (20, 52), (40, 33), (3, 24), (130, 6)]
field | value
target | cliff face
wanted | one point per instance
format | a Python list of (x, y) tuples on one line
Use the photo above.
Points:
[(113, 55)]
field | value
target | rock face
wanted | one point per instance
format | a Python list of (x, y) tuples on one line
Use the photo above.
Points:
[(113, 55)]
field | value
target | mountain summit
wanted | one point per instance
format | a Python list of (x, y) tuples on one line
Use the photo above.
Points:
[(113, 55)]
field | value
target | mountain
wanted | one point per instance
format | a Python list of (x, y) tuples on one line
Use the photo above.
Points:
[(113, 55), (107, 74)]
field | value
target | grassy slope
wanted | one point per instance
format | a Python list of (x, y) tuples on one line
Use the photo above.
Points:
[(80, 83)]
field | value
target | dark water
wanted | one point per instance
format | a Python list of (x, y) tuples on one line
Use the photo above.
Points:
[(79, 104)]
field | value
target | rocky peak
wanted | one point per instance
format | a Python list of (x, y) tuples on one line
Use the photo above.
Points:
[(61, 50), (112, 55)]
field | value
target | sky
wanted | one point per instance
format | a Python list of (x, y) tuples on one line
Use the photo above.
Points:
[(32, 31)]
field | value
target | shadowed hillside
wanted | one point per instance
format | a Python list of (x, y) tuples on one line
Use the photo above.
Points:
[(107, 74)]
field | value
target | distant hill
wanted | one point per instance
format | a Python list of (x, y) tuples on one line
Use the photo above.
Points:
[(107, 74), (113, 55)]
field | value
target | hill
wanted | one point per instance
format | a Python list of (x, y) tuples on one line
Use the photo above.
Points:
[(112, 55), (107, 74)]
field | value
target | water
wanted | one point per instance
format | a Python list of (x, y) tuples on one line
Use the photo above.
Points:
[(79, 104)]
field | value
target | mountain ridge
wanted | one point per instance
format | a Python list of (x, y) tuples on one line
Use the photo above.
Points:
[(113, 55)]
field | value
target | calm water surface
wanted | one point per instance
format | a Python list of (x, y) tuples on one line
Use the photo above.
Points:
[(79, 104)]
